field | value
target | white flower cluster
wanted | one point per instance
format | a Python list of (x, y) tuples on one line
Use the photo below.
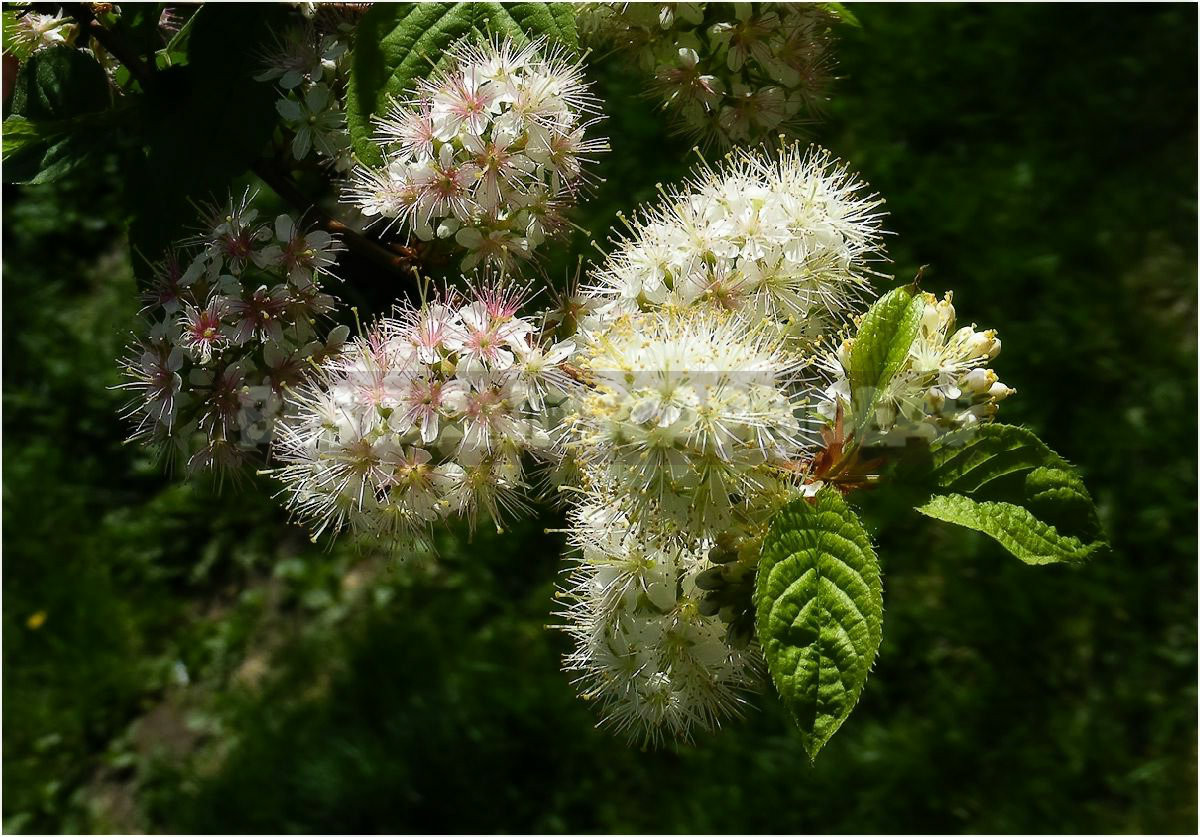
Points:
[(789, 238), (310, 67), (731, 73), (425, 417), (656, 664), (490, 151), (696, 420), (686, 416), (227, 326), (943, 385)]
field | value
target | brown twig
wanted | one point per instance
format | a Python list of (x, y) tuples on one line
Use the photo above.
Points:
[(402, 259)]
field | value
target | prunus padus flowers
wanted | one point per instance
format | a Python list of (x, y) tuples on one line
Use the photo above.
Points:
[(228, 323), (425, 417), (489, 151), (788, 238), (729, 73), (644, 648), (701, 402), (685, 416)]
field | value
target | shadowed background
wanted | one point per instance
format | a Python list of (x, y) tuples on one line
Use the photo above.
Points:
[(178, 658)]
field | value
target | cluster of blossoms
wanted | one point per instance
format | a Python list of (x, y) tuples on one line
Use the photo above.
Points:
[(646, 649), (687, 416), (731, 73), (788, 238), (228, 325), (943, 385), (309, 63), (700, 347), (490, 151), (697, 419), (425, 417)]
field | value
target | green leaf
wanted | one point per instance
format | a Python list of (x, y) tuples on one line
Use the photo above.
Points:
[(1006, 483), (44, 152), (59, 83), (398, 43), (19, 134), (819, 612), (58, 106), (842, 13), (880, 348)]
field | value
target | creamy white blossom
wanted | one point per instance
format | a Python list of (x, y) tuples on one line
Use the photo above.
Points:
[(686, 417), (944, 383), (488, 151), (788, 237), (644, 650)]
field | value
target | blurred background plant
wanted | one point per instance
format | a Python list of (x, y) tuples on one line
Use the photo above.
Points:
[(179, 658)]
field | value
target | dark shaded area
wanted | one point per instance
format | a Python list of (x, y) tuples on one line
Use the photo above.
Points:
[(178, 658)]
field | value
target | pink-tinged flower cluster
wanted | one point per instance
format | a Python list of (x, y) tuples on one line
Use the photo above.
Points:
[(425, 417), (730, 73), (488, 151), (228, 324)]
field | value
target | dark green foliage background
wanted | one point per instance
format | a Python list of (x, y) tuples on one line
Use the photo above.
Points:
[(1040, 159)]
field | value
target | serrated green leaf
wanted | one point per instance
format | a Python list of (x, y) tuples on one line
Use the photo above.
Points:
[(44, 152), (59, 101), (1006, 483), (397, 43), (969, 460), (881, 345), (819, 612), (1015, 528), (59, 83)]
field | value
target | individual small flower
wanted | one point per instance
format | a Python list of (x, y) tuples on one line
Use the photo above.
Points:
[(30, 32), (488, 152), (788, 238), (258, 315), (201, 331), (943, 384), (301, 57), (317, 121), (152, 372), (171, 281), (301, 253), (232, 235)]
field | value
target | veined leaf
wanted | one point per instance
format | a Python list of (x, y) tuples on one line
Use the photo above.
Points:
[(397, 43), (819, 611), (1013, 527), (1006, 483), (58, 83), (884, 337), (58, 116)]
